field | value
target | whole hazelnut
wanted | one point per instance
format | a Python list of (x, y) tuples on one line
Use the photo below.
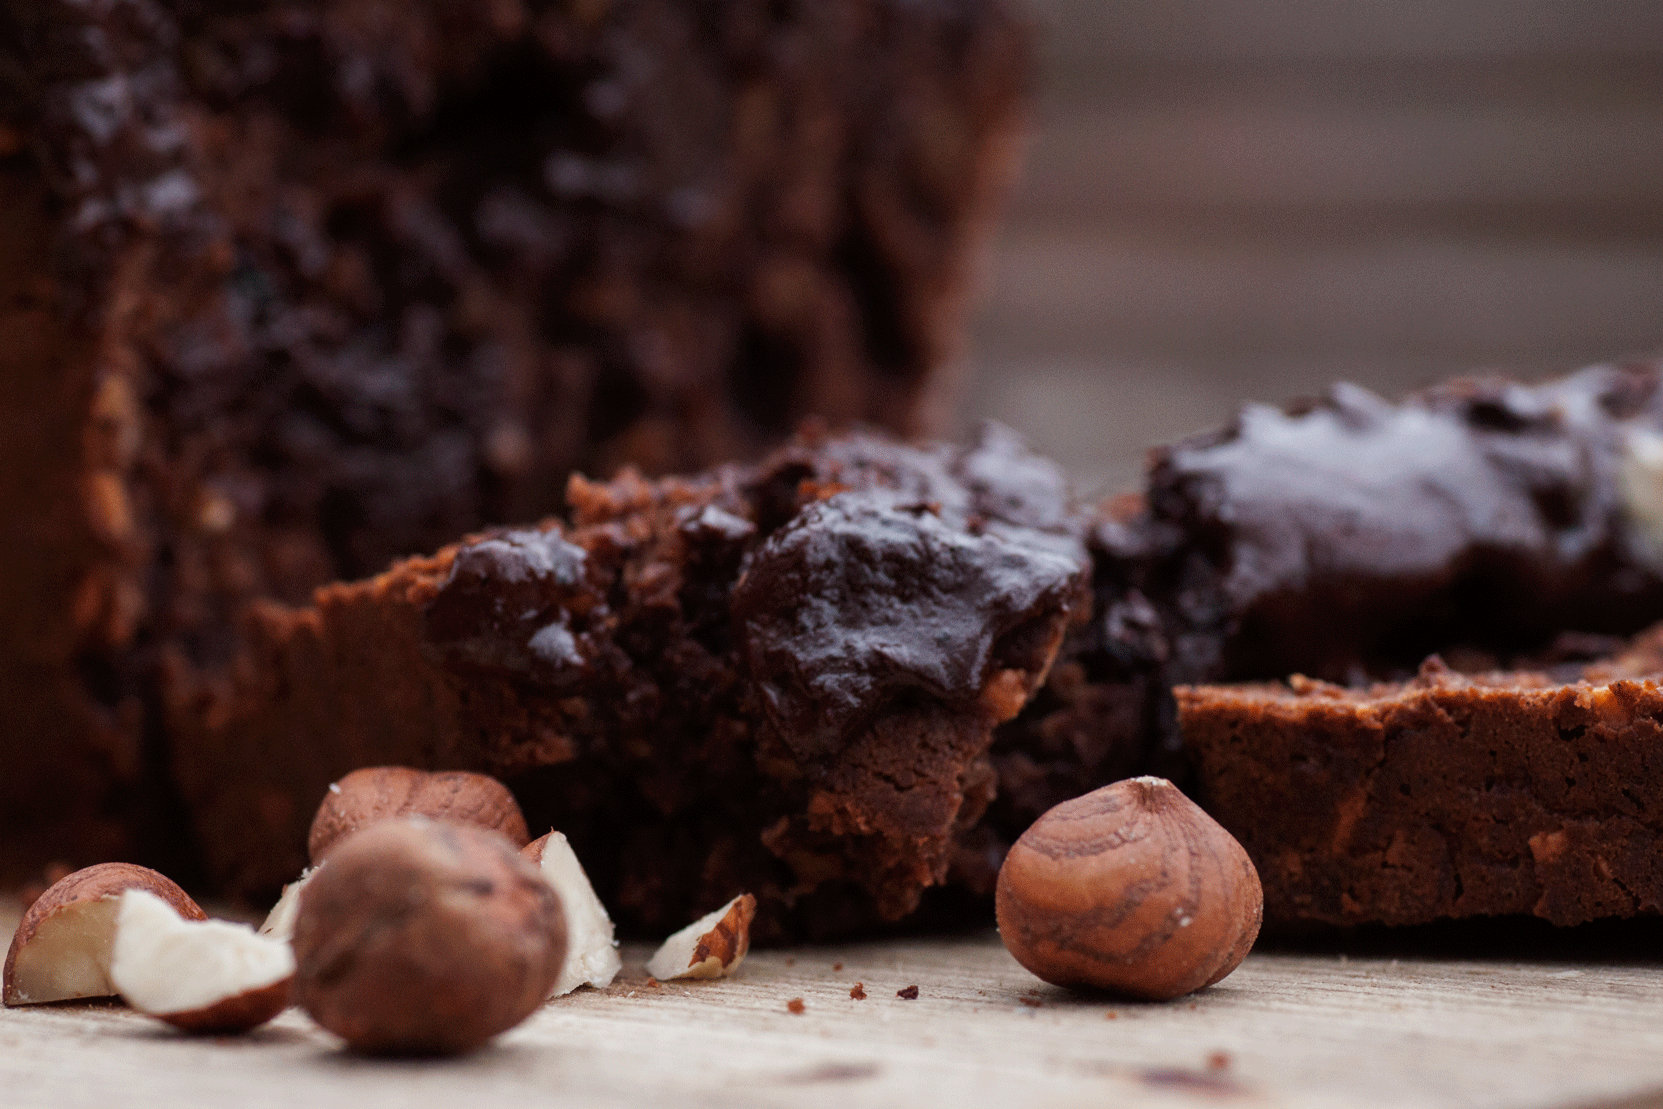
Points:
[(1130, 888), (425, 937), (379, 792)]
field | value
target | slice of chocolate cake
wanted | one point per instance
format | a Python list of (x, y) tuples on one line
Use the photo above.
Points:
[(1347, 538), (1444, 796), (289, 288), (781, 678)]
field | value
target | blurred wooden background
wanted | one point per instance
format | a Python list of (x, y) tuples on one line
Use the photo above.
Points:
[(1232, 199)]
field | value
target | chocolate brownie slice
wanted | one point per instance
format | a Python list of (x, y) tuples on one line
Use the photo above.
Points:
[(1444, 796), (290, 288), (781, 678), (1347, 538)]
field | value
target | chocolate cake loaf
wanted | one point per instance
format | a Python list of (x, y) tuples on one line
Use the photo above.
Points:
[(1444, 796), (289, 288), (781, 678), (773, 677), (1346, 538)]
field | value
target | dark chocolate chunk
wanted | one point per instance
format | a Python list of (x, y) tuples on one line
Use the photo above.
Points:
[(508, 603), (868, 595)]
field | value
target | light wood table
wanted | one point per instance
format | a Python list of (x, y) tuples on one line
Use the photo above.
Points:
[(1285, 1029)]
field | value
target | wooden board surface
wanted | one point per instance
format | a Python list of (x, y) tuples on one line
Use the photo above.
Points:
[(1286, 1029)]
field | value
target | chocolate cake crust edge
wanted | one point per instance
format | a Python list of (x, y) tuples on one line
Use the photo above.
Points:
[(1446, 797)]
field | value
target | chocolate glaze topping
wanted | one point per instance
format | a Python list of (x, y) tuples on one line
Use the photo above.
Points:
[(865, 596), (1350, 535)]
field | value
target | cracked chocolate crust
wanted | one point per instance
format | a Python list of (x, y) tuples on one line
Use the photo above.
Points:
[(1445, 796), (780, 679), (294, 288)]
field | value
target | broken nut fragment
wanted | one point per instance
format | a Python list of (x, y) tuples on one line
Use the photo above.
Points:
[(279, 923), (382, 792), (710, 947), (62, 949), (425, 937), (205, 976), (591, 951)]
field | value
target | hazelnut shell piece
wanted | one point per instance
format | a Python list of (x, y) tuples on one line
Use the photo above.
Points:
[(1131, 889), (235, 1014), (425, 937), (91, 894), (381, 792)]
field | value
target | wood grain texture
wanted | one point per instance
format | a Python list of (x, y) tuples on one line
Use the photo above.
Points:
[(1284, 1030), (1228, 200), (1350, 29)]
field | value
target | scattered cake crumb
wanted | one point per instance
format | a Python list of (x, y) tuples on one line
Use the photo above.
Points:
[(795, 1005), (653, 983), (858, 992), (910, 993), (1218, 1060), (1111, 1015), (837, 966), (1031, 1002)]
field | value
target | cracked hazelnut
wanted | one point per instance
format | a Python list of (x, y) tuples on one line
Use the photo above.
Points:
[(380, 792), (1130, 888), (62, 948), (203, 976), (425, 937)]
